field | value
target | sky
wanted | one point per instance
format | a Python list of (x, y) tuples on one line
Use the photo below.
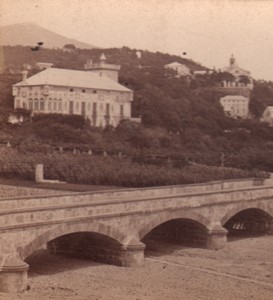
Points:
[(209, 31)]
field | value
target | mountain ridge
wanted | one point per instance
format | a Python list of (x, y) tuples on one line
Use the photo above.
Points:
[(29, 33)]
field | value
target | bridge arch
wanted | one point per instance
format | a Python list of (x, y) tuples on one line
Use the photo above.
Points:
[(173, 215), (248, 220), (69, 228), (243, 206)]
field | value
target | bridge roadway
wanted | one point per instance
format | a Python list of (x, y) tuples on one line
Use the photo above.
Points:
[(113, 226)]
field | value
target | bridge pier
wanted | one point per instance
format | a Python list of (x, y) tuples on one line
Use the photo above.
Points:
[(132, 254), (217, 237), (13, 275)]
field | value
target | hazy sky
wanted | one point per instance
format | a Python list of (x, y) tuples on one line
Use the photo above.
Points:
[(209, 31)]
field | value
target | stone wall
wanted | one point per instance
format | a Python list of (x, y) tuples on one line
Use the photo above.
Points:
[(10, 191)]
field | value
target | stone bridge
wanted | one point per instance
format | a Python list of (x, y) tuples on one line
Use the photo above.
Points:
[(114, 226)]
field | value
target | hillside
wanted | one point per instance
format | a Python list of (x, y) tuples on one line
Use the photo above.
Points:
[(28, 34), (15, 56), (179, 118)]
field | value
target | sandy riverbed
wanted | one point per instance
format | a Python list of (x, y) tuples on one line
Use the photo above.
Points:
[(243, 270)]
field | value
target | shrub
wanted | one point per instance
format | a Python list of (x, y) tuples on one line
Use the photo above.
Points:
[(74, 121)]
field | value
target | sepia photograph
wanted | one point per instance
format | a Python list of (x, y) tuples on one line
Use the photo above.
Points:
[(136, 150)]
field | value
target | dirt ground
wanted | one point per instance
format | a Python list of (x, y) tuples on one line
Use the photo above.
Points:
[(243, 270)]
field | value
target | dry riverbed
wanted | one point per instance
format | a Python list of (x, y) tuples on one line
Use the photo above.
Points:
[(243, 270)]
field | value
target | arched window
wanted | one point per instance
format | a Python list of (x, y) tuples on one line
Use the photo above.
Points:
[(60, 106), (36, 104), (30, 104), (42, 104), (55, 106)]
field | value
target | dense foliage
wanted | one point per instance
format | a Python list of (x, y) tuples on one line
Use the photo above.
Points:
[(115, 171), (179, 117), (261, 97)]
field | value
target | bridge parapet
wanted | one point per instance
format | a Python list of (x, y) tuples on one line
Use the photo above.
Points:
[(44, 210), (40, 199), (8, 191)]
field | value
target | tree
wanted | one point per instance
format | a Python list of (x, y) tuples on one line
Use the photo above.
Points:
[(244, 79), (69, 47), (261, 97)]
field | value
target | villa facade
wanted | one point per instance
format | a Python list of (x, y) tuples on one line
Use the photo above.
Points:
[(93, 93)]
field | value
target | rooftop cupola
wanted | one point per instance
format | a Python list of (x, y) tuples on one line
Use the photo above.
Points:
[(102, 68)]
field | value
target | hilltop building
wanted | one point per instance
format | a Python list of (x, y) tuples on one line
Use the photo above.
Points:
[(267, 116), (181, 70), (235, 103), (94, 93), (202, 72), (242, 78), (235, 106)]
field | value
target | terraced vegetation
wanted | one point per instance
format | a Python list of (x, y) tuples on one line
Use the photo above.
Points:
[(110, 170)]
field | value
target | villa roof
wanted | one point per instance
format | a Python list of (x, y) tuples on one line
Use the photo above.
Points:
[(73, 78)]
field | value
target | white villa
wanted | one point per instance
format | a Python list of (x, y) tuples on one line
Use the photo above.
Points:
[(94, 93), (182, 70), (235, 106)]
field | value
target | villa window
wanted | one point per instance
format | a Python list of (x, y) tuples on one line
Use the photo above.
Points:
[(42, 105), (94, 108), (30, 105), (18, 103), (121, 110), (36, 104)]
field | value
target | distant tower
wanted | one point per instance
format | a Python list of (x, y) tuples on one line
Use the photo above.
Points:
[(232, 61), (102, 68)]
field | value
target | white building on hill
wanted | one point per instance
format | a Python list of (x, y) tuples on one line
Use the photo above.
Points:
[(94, 93), (267, 116), (242, 78), (182, 70), (235, 106)]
